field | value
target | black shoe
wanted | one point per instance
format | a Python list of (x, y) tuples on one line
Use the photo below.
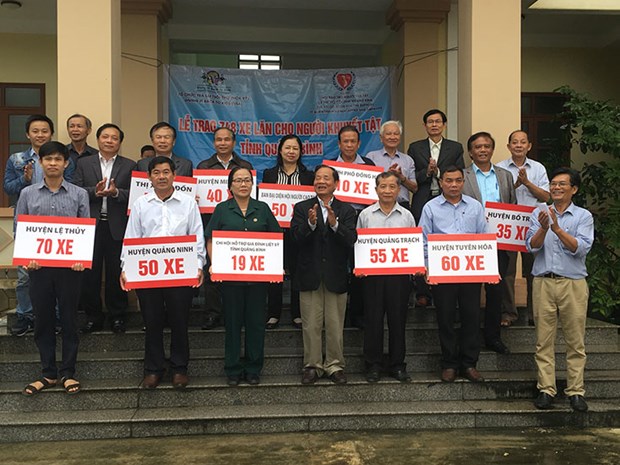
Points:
[(338, 377), (578, 403), (544, 401), (91, 327), (211, 322), (310, 376), (297, 323), (499, 347), (401, 375), (234, 380), (118, 326), (373, 375), (22, 327), (252, 378)]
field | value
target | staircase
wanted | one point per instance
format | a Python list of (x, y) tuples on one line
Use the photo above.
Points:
[(111, 405)]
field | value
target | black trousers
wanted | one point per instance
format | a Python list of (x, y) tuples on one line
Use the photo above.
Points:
[(106, 254), (48, 286), (385, 295), (464, 351), (494, 295), (154, 303), (274, 291), (213, 294)]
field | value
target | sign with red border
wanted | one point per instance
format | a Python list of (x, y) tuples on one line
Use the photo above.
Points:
[(357, 182), (141, 185), (282, 198), (462, 258), (170, 261), (54, 241), (247, 256), (389, 251), (510, 222), (213, 188)]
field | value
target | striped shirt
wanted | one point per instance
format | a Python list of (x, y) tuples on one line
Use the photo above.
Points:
[(69, 200), (292, 179)]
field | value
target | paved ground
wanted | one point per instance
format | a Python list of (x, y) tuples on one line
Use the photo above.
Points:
[(462, 447)]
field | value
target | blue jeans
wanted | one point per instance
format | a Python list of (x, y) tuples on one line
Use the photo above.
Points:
[(22, 291)]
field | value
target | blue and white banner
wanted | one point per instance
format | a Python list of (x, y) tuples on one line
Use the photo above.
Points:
[(262, 106)]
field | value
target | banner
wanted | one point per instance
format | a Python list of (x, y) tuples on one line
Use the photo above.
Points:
[(262, 106), (54, 241), (380, 251), (140, 185), (213, 188), (282, 198), (247, 256), (160, 262), (511, 223), (462, 258)]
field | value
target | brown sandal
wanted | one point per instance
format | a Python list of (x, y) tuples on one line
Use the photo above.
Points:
[(32, 389), (506, 323), (72, 386)]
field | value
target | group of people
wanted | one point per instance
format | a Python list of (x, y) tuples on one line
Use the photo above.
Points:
[(428, 186)]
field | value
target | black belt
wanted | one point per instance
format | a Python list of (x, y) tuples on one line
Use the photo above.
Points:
[(554, 276), (103, 216)]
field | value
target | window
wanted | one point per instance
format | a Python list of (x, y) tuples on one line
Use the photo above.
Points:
[(260, 62), (17, 103)]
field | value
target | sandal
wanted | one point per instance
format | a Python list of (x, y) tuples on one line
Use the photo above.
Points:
[(72, 386), (32, 388), (506, 323), (272, 323)]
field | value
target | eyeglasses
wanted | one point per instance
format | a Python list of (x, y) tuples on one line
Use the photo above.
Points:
[(242, 181), (559, 184)]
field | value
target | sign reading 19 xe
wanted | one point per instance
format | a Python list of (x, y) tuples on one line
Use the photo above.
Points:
[(160, 262), (54, 241), (462, 258), (380, 251)]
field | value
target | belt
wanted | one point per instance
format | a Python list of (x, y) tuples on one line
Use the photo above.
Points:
[(103, 216), (553, 276)]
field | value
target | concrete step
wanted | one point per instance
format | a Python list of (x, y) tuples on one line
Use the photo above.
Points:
[(352, 415), (273, 390), (285, 361), (419, 337)]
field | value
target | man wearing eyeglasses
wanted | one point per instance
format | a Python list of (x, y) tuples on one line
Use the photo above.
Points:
[(560, 236)]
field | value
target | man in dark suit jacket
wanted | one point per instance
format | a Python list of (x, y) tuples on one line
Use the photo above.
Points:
[(163, 136), (324, 229), (431, 156), (106, 177), (487, 182)]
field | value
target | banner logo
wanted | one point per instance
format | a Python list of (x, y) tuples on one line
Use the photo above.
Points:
[(344, 81)]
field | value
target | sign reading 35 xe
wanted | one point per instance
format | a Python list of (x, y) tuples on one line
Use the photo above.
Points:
[(381, 251), (510, 222), (54, 241), (160, 262)]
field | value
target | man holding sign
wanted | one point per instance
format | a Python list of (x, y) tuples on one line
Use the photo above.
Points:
[(455, 213), (165, 213), (54, 196), (386, 293)]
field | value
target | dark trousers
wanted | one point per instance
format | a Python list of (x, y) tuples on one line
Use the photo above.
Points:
[(274, 290), (213, 295), (155, 303), (464, 352), (48, 286), (493, 307), (385, 295), (244, 305), (106, 254)]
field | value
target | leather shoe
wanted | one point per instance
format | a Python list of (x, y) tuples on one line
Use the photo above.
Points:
[(234, 380), (211, 322), (338, 377), (373, 376), (252, 378), (578, 403), (448, 375), (401, 375), (151, 381), (472, 374), (272, 323), (498, 346), (180, 381), (297, 323), (310, 376), (544, 401), (91, 327), (118, 326)]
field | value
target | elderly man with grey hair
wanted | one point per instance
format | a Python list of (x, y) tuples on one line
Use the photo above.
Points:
[(399, 163)]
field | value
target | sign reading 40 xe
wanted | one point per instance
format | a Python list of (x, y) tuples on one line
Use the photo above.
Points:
[(462, 258), (160, 262), (54, 241)]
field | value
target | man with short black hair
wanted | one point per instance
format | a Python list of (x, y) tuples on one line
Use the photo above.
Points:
[(54, 196), (79, 128), (560, 236), (147, 151), (163, 135), (107, 179)]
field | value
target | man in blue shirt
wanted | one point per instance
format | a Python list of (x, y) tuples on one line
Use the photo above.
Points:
[(455, 213), (22, 170), (560, 237)]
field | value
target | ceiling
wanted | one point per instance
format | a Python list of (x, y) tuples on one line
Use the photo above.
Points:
[(333, 27)]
